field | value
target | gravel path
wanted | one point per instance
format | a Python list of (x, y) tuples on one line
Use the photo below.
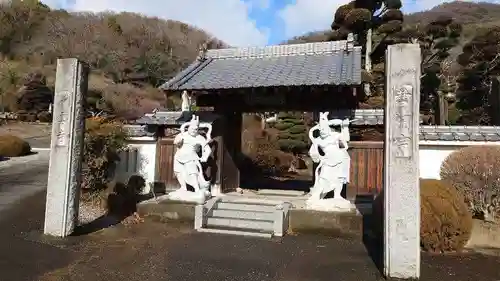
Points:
[(88, 213)]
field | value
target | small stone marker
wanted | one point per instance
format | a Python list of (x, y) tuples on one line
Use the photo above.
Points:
[(66, 148), (401, 175)]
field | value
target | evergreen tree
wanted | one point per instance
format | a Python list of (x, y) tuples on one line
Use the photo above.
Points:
[(480, 61), (436, 39), (379, 24), (373, 22), (292, 136)]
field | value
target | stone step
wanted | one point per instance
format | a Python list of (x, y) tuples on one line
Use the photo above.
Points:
[(266, 216), (240, 224), (245, 207), (279, 192), (236, 232), (251, 201)]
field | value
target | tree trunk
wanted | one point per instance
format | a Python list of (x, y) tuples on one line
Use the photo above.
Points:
[(441, 110), (368, 61)]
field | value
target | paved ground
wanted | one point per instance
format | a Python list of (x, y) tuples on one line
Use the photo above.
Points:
[(161, 252), (22, 176), (39, 142)]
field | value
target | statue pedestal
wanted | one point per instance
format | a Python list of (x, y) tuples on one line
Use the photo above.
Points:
[(330, 205), (199, 197)]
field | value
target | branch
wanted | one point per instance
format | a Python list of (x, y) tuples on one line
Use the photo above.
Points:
[(494, 63), (430, 58), (378, 44)]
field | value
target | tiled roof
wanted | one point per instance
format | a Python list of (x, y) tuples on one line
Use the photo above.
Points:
[(368, 117), (322, 63), (459, 133), (361, 117), (175, 117), (138, 131)]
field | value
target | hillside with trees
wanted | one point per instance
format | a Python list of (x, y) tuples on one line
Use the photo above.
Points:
[(129, 54), (459, 42), (472, 15)]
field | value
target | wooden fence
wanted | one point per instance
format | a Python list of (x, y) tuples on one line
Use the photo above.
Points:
[(165, 162), (366, 173), (367, 164)]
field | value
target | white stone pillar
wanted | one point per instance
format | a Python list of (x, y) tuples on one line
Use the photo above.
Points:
[(401, 175), (66, 148)]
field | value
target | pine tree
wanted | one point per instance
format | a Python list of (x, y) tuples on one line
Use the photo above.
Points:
[(292, 136), (480, 61), (374, 23), (436, 40)]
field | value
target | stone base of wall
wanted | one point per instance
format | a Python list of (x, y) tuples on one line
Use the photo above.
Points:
[(349, 225), (302, 221), (168, 210)]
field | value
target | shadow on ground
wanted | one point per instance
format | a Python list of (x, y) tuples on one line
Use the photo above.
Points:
[(256, 181), (98, 224), (21, 256), (5, 158)]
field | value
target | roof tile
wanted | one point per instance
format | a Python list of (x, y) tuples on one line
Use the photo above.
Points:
[(323, 63), (360, 117)]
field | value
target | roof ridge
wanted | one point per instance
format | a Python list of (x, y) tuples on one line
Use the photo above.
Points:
[(282, 50)]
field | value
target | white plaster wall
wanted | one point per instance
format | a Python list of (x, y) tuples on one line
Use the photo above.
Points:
[(146, 157), (433, 153)]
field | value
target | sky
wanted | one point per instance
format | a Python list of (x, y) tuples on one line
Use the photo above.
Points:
[(237, 22)]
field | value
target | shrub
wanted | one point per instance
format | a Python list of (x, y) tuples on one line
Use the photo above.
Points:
[(251, 122), (445, 221), (34, 95), (12, 146), (22, 116), (129, 102), (104, 140), (44, 116), (122, 202), (262, 152), (475, 171), (292, 136)]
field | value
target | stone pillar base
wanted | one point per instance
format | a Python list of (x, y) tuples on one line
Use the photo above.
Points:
[(199, 197), (330, 205), (215, 190)]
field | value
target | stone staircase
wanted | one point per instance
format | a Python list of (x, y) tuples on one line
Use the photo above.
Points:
[(243, 216)]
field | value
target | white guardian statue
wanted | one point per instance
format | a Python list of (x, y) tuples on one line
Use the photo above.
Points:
[(187, 161), (332, 172), (186, 101)]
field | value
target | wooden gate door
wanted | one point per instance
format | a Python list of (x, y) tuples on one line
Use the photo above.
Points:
[(165, 150), (367, 168)]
